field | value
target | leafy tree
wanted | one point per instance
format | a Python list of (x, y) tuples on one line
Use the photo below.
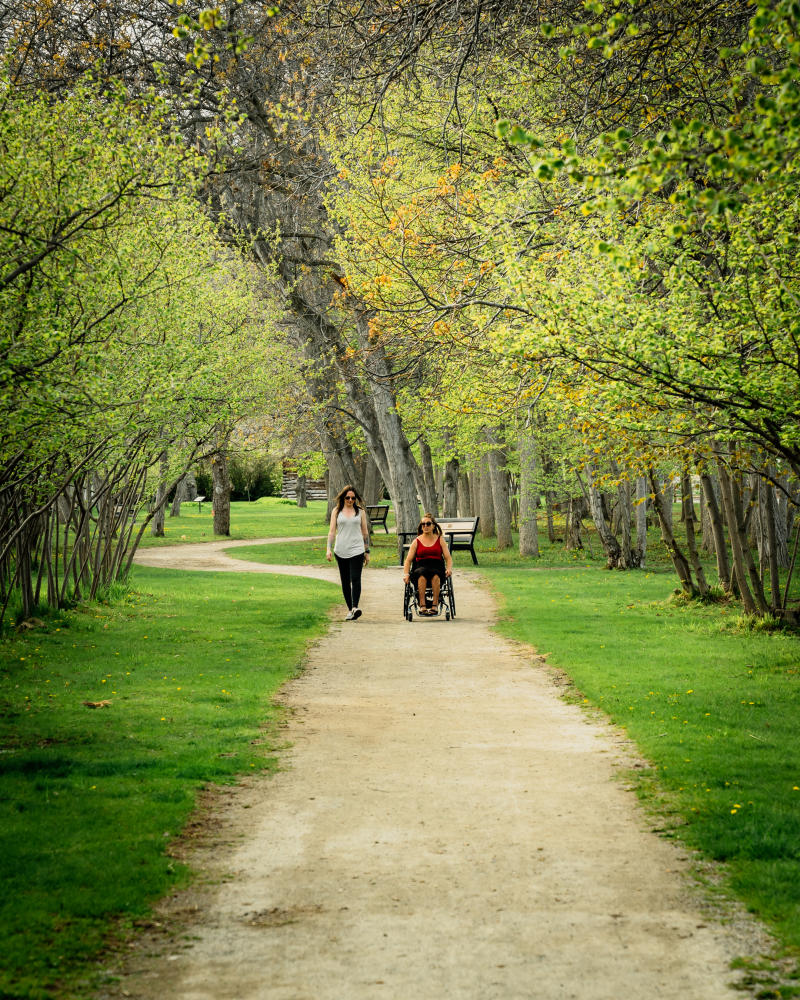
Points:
[(128, 331)]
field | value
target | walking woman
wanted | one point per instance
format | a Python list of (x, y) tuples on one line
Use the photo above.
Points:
[(350, 527)]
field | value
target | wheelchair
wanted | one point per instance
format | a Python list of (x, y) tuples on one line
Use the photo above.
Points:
[(447, 600)]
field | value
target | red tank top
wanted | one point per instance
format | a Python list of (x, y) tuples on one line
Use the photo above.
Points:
[(430, 551)]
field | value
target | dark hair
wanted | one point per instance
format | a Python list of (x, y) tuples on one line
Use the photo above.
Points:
[(437, 530), (340, 499)]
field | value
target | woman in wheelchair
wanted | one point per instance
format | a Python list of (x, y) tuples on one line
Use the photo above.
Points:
[(428, 563)]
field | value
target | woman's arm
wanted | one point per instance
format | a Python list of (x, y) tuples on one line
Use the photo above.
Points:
[(365, 533), (331, 534), (409, 561), (448, 559)]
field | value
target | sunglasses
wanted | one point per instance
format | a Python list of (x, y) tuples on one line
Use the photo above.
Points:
[(350, 498), (426, 524)]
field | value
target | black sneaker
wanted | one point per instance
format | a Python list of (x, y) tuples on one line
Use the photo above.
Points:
[(356, 613)]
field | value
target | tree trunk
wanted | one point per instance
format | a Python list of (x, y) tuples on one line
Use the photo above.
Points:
[(394, 443), (706, 525), (689, 521), (624, 516), (781, 535), (160, 501), (338, 459), (528, 494), (498, 478), (717, 530), (450, 489), (754, 604), (642, 494), (465, 506), (679, 561), (770, 508), (668, 494), (766, 501), (221, 500), (427, 480), (485, 500), (301, 491), (549, 501), (573, 519), (438, 481), (373, 487), (181, 494), (596, 509)]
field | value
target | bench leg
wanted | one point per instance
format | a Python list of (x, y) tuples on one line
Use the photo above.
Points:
[(474, 557)]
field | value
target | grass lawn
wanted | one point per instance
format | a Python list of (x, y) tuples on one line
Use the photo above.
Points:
[(269, 517), (90, 798)]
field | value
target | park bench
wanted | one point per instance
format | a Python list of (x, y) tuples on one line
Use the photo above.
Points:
[(377, 514), (458, 532)]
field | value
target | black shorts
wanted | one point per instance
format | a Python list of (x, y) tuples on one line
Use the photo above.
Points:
[(429, 568)]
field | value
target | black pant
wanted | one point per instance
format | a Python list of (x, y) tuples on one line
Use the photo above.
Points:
[(350, 572)]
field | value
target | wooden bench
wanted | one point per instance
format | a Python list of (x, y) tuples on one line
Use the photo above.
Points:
[(458, 532), (377, 514)]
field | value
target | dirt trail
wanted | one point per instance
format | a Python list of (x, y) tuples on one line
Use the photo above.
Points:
[(446, 828)]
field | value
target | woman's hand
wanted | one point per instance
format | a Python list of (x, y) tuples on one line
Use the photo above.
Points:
[(328, 555), (366, 558), (406, 577)]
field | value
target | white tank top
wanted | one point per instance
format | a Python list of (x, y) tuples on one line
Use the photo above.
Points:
[(349, 540)]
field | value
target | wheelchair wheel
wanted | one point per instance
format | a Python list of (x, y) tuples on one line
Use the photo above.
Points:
[(451, 601), (406, 603)]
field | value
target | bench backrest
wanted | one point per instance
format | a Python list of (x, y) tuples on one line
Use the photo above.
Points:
[(459, 525)]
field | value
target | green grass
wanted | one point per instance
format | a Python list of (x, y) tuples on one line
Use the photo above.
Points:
[(92, 797), (715, 709), (269, 517)]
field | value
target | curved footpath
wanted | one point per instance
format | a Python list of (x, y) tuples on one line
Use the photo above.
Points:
[(446, 828)]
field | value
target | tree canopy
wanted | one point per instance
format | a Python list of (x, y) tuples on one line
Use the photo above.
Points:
[(560, 240)]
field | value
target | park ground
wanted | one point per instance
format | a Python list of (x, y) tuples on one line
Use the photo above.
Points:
[(415, 785)]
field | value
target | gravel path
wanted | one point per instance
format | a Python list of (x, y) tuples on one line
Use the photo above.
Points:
[(446, 828)]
